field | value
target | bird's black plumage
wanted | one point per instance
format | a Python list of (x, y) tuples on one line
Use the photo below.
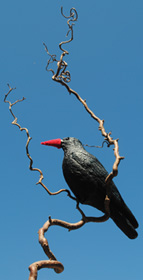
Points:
[(86, 176)]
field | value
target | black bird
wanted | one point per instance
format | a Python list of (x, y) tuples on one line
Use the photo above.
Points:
[(86, 176)]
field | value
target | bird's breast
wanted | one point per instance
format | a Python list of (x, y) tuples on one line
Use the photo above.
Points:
[(82, 179)]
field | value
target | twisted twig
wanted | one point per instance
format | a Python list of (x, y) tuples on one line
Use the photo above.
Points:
[(27, 145), (71, 18), (53, 263), (62, 74), (58, 77)]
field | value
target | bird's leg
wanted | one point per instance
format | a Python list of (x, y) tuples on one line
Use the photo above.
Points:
[(101, 219), (81, 212)]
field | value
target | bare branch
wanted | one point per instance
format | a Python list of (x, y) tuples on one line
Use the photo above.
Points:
[(59, 78), (28, 154), (53, 263), (62, 74), (34, 267), (71, 18), (27, 146), (94, 146), (107, 136)]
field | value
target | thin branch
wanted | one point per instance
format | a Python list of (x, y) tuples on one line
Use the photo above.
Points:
[(59, 78), (71, 18), (107, 136), (94, 146), (62, 74), (27, 146)]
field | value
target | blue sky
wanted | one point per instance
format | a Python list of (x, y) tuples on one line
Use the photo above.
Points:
[(106, 65)]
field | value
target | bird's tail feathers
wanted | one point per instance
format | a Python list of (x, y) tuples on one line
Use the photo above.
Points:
[(129, 215), (125, 223), (125, 211)]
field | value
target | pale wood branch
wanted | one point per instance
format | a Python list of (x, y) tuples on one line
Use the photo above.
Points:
[(53, 263)]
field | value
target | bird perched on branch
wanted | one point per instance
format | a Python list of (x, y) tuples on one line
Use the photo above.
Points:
[(86, 176)]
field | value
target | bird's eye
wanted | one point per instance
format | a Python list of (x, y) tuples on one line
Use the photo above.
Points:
[(67, 138)]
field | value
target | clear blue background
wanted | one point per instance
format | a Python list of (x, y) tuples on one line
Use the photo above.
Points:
[(106, 64)]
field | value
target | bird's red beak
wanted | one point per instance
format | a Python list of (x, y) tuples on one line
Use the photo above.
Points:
[(55, 143)]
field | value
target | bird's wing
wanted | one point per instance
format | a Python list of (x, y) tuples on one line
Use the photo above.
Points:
[(95, 171)]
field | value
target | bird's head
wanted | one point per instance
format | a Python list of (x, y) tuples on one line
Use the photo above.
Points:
[(65, 143)]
